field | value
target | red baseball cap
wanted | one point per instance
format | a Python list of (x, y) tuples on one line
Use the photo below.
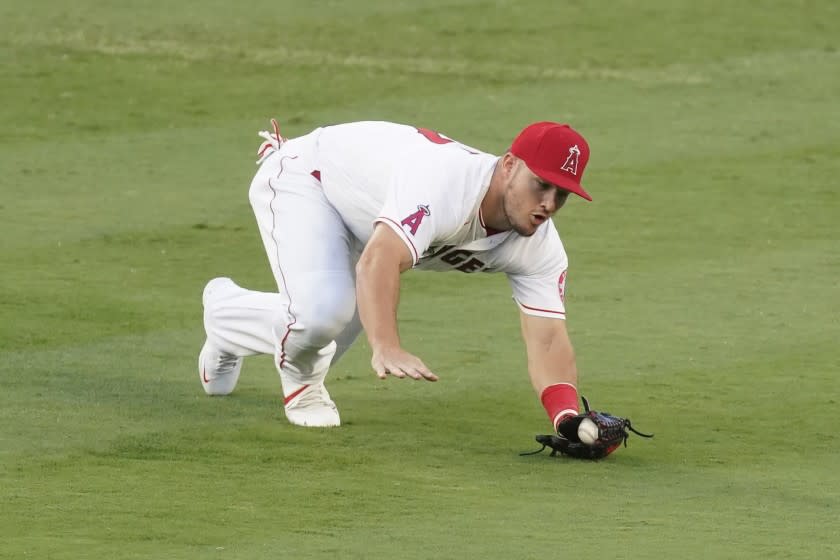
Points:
[(555, 152)]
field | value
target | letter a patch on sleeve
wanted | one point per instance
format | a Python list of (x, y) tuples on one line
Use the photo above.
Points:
[(413, 220)]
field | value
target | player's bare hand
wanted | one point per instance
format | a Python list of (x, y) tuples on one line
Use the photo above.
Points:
[(399, 363)]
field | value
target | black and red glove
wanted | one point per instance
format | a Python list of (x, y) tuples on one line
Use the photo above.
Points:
[(612, 433)]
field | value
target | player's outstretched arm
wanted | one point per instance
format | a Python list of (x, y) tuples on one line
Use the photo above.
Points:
[(551, 358), (378, 271)]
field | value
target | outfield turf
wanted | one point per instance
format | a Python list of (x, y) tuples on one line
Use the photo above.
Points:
[(703, 294)]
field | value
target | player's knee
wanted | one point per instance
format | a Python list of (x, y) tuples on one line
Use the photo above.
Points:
[(318, 320), (321, 328)]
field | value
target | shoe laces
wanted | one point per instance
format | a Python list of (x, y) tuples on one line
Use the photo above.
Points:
[(226, 363)]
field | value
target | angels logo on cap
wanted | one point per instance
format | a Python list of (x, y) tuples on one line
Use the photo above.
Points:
[(554, 152), (571, 164)]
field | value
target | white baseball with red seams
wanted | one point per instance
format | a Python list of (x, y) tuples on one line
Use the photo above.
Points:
[(588, 431)]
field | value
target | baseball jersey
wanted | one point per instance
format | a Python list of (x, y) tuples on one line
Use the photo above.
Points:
[(428, 189)]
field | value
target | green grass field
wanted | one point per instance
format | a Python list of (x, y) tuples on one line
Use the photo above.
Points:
[(703, 292)]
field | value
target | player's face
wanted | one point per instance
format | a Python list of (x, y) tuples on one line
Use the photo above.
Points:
[(529, 201)]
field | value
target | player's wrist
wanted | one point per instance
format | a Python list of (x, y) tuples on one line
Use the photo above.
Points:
[(383, 344), (560, 401)]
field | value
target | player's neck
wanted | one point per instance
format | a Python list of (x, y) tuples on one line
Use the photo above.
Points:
[(492, 206)]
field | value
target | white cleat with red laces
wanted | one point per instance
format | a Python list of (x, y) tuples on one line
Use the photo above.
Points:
[(312, 407)]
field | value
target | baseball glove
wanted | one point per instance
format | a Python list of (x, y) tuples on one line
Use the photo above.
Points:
[(612, 432)]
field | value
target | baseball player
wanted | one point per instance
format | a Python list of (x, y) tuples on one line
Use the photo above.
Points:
[(346, 209)]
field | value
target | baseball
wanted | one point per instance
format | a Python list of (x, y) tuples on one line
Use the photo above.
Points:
[(588, 431)]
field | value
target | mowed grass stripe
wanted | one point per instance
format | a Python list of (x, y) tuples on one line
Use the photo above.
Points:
[(247, 503), (282, 56), (771, 63)]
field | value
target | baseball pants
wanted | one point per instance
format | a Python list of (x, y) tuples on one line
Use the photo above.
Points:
[(312, 319)]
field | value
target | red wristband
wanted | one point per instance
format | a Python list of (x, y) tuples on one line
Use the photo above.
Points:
[(560, 400)]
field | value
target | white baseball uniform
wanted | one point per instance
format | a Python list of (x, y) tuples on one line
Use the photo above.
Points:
[(317, 200)]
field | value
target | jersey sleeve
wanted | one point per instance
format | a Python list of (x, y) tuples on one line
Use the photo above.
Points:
[(539, 284), (425, 198)]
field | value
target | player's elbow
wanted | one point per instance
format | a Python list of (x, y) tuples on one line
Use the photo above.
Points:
[(365, 264), (376, 261)]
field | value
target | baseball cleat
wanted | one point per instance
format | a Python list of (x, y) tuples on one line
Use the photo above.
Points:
[(311, 406), (218, 371)]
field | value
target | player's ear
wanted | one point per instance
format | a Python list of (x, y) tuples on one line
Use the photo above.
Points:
[(509, 163)]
